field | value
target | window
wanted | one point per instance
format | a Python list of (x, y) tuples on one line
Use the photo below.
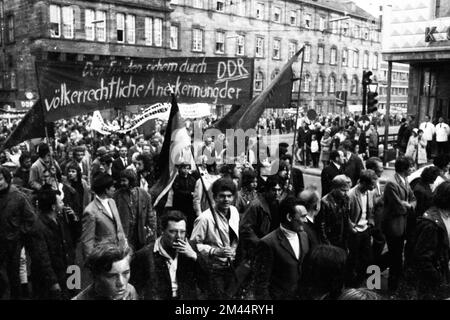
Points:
[(120, 21), (240, 7), (277, 14), (197, 40), (344, 57), (344, 83), (355, 59), (366, 60), (157, 30), (292, 49), (334, 27), (366, 34), (332, 84), (442, 8), (333, 56), (357, 32), (354, 85), (220, 42), (148, 31), (259, 50), (13, 80), (100, 25), (345, 28), (322, 23), (293, 18), (198, 4), (174, 31), (55, 21), (10, 26), (319, 83), (276, 49), (260, 11), (320, 54), (259, 81), (307, 23), (68, 22), (307, 53), (240, 45), (306, 83), (220, 6), (88, 25), (131, 28)]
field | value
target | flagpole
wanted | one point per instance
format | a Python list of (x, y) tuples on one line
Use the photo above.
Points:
[(296, 117)]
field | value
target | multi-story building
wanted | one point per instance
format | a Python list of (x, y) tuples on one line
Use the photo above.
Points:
[(399, 88), (74, 31), (341, 40), (418, 34)]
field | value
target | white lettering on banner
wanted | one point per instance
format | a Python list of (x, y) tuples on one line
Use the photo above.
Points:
[(231, 71)]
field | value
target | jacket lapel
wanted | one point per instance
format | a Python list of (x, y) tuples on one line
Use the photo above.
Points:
[(284, 242), (102, 209), (402, 185)]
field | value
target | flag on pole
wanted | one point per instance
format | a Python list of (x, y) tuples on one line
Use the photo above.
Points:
[(32, 126), (276, 95), (176, 149)]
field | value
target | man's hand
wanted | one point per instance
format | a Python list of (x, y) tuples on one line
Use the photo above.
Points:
[(226, 252), (185, 249)]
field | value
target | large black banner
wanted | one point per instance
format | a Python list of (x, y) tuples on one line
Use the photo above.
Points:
[(72, 88)]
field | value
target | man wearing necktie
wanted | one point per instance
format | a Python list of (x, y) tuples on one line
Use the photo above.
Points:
[(442, 132), (428, 132), (120, 163)]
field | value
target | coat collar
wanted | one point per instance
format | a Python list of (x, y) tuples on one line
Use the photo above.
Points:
[(103, 209), (284, 242)]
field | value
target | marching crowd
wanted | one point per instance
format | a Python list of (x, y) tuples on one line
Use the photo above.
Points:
[(78, 218)]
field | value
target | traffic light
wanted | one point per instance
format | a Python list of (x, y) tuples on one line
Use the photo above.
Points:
[(372, 102), (366, 78)]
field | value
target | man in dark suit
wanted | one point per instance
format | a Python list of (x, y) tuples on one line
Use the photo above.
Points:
[(120, 163), (333, 217), (167, 268), (353, 164), (399, 202), (362, 222), (280, 255), (311, 200), (404, 132), (332, 170), (296, 175)]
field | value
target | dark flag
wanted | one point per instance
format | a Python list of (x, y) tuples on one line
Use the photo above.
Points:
[(32, 126), (176, 149), (276, 95)]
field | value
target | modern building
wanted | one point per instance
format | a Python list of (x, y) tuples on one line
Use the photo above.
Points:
[(74, 31), (418, 34), (341, 40)]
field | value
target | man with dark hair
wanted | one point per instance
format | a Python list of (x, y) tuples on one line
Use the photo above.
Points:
[(144, 171), (361, 221), (404, 132), (333, 217), (332, 170), (295, 175), (109, 265), (101, 220), (280, 255), (40, 165), (120, 163), (399, 202), (19, 227), (167, 268), (135, 209), (79, 159), (60, 231), (353, 164), (431, 248), (262, 216), (23, 172), (216, 236)]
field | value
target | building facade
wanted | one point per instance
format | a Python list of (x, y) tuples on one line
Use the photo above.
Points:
[(76, 30), (417, 33), (341, 40)]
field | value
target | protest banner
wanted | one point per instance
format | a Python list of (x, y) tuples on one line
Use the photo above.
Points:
[(68, 89)]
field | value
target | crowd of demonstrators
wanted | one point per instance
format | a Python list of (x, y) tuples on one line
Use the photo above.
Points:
[(226, 230)]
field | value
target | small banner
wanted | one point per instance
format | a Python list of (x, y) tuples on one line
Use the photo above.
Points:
[(69, 89)]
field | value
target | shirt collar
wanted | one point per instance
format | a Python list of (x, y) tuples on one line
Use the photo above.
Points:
[(159, 248), (288, 233)]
